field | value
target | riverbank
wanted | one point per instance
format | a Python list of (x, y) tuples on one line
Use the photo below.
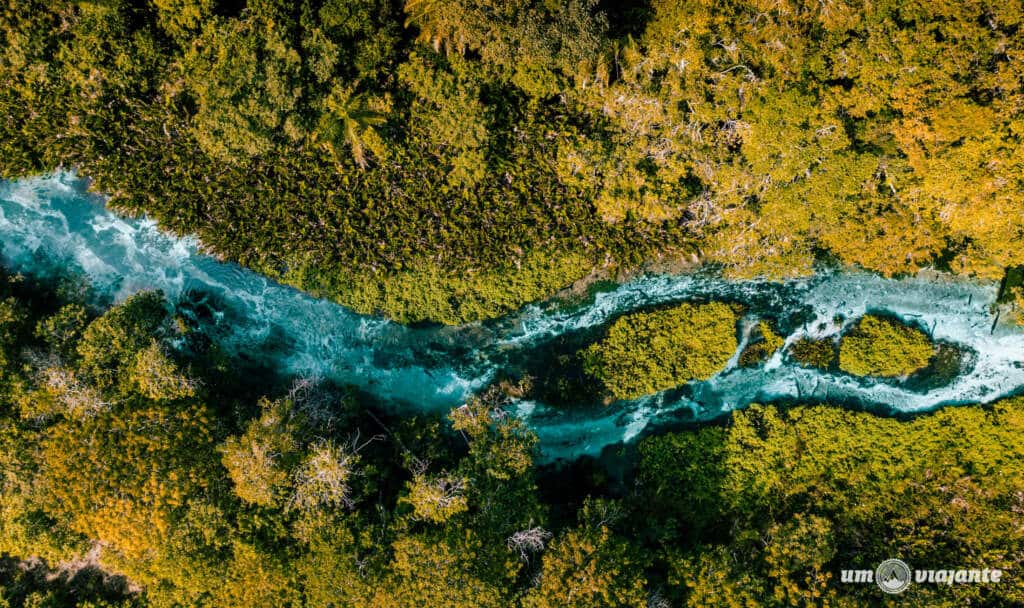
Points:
[(53, 223)]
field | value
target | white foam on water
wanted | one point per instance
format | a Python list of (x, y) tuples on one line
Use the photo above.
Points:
[(56, 216)]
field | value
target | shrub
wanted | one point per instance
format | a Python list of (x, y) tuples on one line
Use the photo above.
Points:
[(157, 377), (813, 353), (427, 293), (765, 347), (110, 343), (644, 353), (879, 346), (1017, 304), (258, 462), (322, 480)]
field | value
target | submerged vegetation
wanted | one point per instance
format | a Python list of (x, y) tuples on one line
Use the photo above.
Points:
[(646, 352), (144, 468), (881, 346), (451, 160)]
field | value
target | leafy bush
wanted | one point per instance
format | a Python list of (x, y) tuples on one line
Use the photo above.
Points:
[(880, 346), (111, 342), (1017, 304), (646, 352), (762, 348), (813, 353), (429, 293)]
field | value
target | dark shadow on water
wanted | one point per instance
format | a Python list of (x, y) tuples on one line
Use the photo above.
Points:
[(58, 277), (948, 362)]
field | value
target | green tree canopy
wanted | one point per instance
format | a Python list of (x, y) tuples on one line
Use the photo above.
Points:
[(643, 353), (882, 346)]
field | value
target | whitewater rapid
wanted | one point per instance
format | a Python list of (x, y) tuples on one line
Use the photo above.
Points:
[(54, 220)]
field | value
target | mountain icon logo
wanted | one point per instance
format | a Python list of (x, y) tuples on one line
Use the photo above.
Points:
[(892, 576)]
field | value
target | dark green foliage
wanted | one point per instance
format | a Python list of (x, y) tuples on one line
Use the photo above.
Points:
[(450, 160), (106, 440), (244, 77), (763, 345), (109, 344), (776, 504), (881, 346), (814, 353), (644, 353), (289, 139), (356, 147)]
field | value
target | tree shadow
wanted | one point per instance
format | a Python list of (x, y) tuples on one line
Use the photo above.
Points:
[(78, 583), (626, 17)]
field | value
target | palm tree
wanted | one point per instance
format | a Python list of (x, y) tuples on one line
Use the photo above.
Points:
[(348, 119), (442, 23)]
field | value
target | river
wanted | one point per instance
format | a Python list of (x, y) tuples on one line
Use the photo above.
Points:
[(53, 218)]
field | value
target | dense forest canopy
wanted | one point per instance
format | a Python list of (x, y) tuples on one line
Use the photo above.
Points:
[(450, 160), (142, 467)]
